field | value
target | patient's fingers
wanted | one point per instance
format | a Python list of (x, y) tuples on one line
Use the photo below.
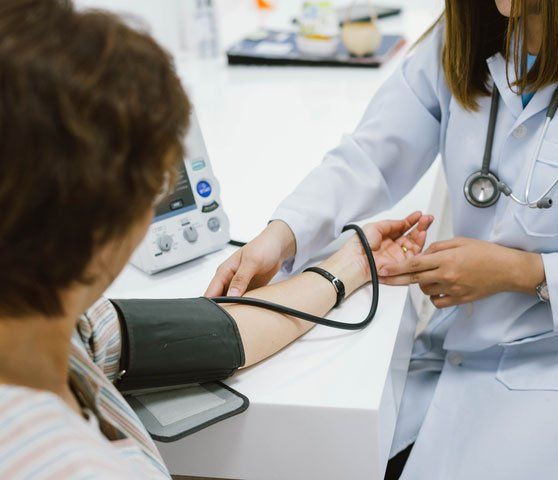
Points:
[(424, 222), (396, 252), (395, 228), (412, 219), (407, 223), (421, 223), (418, 234), (413, 242)]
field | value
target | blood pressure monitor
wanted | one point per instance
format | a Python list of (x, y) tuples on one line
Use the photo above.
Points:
[(190, 221)]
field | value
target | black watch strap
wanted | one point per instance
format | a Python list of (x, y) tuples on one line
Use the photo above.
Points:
[(337, 283)]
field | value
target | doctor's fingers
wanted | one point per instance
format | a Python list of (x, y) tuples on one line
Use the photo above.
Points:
[(410, 278), (246, 271), (223, 276), (445, 245), (431, 289), (445, 301), (419, 263)]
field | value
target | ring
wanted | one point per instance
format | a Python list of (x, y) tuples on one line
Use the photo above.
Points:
[(404, 248)]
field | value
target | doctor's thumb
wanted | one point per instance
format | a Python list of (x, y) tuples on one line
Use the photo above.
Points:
[(241, 280)]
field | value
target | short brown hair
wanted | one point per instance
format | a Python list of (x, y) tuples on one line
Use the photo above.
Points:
[(475, 30), (92, 119)]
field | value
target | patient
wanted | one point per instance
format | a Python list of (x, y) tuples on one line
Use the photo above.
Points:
[(92, 117)]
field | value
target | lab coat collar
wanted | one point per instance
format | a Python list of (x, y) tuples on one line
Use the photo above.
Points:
[(497, 67), (539, 102)]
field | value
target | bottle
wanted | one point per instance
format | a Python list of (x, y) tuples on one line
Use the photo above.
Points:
[(205, 26)]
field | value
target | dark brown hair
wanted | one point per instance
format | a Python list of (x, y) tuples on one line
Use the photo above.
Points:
[(475, 30), (92, 120)]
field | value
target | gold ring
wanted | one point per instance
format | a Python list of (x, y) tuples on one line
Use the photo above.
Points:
[(404, 248)]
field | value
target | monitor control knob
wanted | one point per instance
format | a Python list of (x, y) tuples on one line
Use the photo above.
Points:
[(164, 242), (214, 224), (190, 234)]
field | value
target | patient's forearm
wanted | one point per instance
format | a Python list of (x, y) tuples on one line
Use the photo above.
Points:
[(265, 332)]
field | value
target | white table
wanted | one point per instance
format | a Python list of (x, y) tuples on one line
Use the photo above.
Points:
[(325, 407)]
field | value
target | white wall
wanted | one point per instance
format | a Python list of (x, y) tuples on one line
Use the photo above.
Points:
[(165, 18)]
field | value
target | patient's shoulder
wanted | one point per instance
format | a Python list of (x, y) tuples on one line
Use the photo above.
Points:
[(40, 437)]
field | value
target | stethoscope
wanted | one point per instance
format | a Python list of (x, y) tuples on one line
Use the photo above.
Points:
[(483, 188)]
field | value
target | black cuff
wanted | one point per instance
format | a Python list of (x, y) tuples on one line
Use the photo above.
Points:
[(176, 342)]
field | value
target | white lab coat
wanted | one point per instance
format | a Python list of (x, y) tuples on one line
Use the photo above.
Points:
[(481, 400)]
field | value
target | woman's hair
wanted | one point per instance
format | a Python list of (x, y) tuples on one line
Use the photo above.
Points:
[(92, 121), (475, 30)]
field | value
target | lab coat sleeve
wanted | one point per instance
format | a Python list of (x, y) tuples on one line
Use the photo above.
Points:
[(550, 262), (392, 147)]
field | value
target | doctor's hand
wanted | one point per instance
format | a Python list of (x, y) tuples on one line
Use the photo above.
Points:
[(463, 270), (255, 264)]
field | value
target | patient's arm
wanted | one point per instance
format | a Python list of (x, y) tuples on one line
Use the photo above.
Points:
[(265, 332)]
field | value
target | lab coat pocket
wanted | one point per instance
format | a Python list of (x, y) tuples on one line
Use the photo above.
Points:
[(530, 364), (549, 154)]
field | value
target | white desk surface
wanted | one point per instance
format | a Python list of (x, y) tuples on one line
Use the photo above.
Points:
[(323, 408)]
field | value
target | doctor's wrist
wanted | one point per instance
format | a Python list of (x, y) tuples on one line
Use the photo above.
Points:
[(279, 229), (527, 272)]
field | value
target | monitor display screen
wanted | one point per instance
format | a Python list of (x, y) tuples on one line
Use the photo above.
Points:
[(179, 201)]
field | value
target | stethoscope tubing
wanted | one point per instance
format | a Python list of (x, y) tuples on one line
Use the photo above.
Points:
[(536, 154)]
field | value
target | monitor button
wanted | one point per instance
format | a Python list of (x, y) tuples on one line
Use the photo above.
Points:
[(203, 188), (198, 165), (210, 207), (176, 204), (214, 224)]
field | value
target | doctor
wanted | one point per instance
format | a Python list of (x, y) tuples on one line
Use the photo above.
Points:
[(481, 400)]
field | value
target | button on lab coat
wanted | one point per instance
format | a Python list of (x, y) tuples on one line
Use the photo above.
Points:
[(481, 400)]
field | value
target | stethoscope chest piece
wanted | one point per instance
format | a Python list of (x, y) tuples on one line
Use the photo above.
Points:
[(481, 189)]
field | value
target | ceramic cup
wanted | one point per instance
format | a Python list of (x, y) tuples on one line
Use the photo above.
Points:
[(361, 38)]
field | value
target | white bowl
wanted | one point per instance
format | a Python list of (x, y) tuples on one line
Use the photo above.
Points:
[(317, 47)]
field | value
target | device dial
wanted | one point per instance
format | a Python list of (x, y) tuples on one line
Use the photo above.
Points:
[(164, 242), (190, 234)]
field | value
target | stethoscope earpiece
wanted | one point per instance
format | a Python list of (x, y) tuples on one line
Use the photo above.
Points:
[(544, 203)]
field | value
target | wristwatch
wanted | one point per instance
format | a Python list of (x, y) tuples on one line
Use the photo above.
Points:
[(337, 283), (542, 292)]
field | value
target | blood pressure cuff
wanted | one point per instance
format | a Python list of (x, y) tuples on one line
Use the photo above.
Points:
[(172, 343)]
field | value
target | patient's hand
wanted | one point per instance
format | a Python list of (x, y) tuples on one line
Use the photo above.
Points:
[(391, 241)]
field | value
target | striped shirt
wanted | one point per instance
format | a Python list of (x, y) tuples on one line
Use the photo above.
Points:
[(42, 438)]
